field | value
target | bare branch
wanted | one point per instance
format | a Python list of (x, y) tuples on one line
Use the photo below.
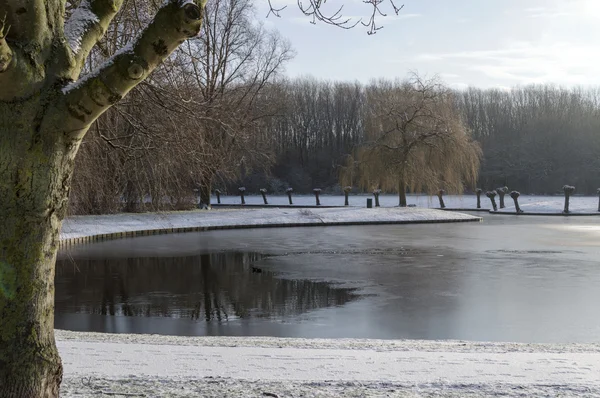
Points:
[(376, 4), (274, 10), (314, 10), (88, 98)]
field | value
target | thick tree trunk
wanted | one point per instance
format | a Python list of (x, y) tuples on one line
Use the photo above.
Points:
[(402, 193), (36, 163), (43, 119)]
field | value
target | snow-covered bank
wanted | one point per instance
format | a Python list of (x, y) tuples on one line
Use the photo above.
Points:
[(106, 226), (254, 367), (548, 205)]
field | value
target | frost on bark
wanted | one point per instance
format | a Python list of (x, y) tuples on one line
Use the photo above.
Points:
[(501, 192), (242, 191), (492, 196), (45, 110), (515, 196), (263, 193)]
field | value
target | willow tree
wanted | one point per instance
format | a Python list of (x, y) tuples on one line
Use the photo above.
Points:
[(415, 139)]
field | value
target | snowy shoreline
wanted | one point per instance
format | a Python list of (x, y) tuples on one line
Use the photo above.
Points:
[(81, 228), (157, 366), (97, 364)]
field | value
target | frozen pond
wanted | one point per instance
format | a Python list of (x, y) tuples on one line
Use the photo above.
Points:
[(509, 278)]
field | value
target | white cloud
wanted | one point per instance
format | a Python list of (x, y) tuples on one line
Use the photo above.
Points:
[(562, 8), (525, 63)]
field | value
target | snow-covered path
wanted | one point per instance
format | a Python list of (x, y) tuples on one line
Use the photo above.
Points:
[(158, 366)]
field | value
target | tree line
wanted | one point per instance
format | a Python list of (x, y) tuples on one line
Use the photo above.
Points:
[(220, 114), (534, 139)]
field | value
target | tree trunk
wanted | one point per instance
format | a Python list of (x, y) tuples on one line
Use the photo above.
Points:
[(43, 118), (36, 163), (501, 195), (402, 193), (205, 190)]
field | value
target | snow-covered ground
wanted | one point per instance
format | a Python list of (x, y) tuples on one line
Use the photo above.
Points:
[(80, 226), (158, 366)]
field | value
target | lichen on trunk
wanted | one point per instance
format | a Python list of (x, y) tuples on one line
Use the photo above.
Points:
[(44, 114), (36, 163)]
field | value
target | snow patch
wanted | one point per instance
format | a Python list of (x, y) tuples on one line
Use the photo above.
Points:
[(81, 226), (244, 367), (83, 17)]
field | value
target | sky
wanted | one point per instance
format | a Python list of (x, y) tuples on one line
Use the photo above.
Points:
[(481, 43)]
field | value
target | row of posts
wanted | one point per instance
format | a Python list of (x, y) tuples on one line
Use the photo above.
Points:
[(500, 192), (289, 191)]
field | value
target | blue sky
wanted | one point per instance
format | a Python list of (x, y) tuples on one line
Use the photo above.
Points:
[(483, 43)]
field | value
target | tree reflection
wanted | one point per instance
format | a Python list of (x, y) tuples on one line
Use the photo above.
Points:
[(208, 287)]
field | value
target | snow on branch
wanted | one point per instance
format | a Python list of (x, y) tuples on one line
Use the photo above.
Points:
[(5, 51), (86, 99), (87, 25)]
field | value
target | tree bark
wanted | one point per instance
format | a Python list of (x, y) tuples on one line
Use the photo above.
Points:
[(205, 190), (36, 163), (402, 193), (43, 119)]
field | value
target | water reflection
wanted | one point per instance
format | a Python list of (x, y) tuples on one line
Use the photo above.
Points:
[(510, 278), (212, 288)]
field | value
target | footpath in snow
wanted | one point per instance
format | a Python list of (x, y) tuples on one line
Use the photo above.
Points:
[(85, 226), (158, 366)]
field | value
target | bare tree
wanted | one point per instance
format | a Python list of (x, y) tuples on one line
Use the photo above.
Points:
[(201, 116), (231, 66), (46, 108), (416, 140)]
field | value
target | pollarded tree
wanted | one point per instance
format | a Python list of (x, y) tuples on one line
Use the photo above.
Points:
[(416, 140), (45, 111)]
